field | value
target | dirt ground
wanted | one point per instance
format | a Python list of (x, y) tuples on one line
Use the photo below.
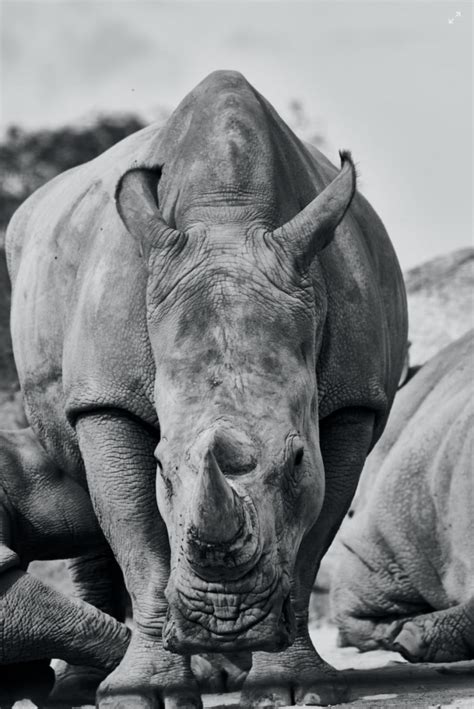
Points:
[(378, 679), (382, 679)]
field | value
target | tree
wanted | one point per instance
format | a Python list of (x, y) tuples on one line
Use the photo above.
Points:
[(28, 159)]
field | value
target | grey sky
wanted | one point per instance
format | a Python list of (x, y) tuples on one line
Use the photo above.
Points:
[(392, 81)]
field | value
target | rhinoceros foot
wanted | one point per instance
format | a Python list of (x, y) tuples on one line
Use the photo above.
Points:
[(295, 676), (443, 636), (149, 677)]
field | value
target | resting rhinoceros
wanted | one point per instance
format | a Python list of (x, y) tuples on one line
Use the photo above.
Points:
[(405, 579), (209, 325)]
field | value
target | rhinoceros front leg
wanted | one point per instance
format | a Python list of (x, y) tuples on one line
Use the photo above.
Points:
[(441, 636), (121, 470), (97, 579), (298, 674)]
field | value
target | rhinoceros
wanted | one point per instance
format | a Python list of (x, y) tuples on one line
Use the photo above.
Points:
[(405, 579), (209, 325)]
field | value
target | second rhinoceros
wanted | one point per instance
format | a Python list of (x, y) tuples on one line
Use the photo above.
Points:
[(405, 579), (209, 325)]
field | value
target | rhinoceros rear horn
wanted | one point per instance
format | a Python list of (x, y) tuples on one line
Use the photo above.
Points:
[(313, 228), (137, 204)]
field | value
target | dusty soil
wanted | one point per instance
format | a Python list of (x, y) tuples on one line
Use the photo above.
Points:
[(377, 679), (382, 679)]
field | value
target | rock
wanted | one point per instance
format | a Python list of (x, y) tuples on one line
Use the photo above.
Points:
[(440, 303)]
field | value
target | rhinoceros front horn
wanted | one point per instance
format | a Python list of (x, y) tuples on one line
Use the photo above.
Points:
[(217, 510), (220, 527), (136, 198), (312, 229)]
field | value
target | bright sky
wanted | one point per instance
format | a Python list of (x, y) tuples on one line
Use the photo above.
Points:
[(390, 80)]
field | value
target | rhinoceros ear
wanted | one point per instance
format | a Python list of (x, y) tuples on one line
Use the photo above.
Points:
[(313, 228), (136, 198)]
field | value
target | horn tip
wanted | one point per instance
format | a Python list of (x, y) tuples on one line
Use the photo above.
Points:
[(346, 157)]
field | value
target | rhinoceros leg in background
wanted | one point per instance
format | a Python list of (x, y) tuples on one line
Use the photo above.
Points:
[(299, 674), (97, 579), (442, 636), (59, 627), (121, 472), (42, 513)]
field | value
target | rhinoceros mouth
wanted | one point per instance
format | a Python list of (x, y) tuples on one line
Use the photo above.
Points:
[(243, 615)]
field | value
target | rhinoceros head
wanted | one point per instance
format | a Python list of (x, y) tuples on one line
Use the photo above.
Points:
[(235, 324)]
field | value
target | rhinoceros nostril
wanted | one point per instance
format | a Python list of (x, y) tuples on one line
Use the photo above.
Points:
[(234, 452), (299, 456)]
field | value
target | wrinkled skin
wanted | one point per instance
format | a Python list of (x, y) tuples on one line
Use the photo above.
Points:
[(406, 557), (209, 325)]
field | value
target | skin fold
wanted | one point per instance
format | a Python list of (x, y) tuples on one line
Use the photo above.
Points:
[(405, 575), (209, 325)]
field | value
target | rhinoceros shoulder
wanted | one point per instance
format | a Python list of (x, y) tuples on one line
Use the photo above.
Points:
[(78, 276)]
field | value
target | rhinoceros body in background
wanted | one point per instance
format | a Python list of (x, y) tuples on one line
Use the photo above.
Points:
[(209, 326), (405, 575)]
